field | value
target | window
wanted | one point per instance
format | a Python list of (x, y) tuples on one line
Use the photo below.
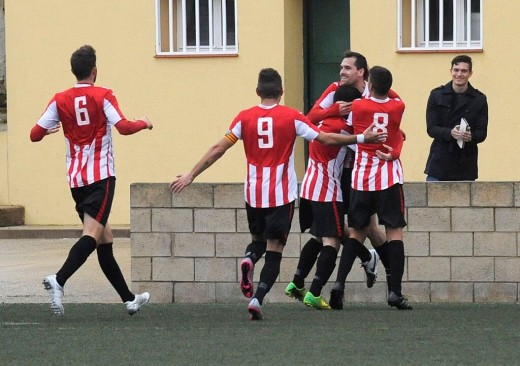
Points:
[(439, 25), (196, 27)]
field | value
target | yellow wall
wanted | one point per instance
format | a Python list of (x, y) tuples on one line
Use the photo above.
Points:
[(190, 100), (374, 33)]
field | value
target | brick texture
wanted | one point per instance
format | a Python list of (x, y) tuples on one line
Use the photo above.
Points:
[(462, 244)]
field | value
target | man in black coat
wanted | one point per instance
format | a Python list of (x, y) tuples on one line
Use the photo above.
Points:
[(454, 152)]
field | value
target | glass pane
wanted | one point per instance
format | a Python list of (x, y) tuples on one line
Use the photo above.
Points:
[(475, 20), (190, 22), (230, 22), (435, 11), (204, 23)]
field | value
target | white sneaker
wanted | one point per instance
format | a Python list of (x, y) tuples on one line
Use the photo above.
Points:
[(255, 310), (55, 292), (371, 268), (132, 307)]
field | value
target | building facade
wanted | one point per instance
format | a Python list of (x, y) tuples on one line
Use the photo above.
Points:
[(191, 69)]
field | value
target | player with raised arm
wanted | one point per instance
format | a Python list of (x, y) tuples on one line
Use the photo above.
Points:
[(87, 113), (268, 132)]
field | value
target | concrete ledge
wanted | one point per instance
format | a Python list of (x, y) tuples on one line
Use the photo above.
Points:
[(53, 232)]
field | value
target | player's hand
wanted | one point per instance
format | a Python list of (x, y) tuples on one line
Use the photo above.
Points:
[(344, 108), (149, 124), (385, 156), (372, 136), (181, 181), (50, 131)]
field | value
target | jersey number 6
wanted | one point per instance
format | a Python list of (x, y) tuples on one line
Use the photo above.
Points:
[(80, 105)]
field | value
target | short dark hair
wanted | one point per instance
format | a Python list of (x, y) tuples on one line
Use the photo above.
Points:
[(346, 93), (269, 83), (462, 58), (381, 79), (82, 61), (361, 62)]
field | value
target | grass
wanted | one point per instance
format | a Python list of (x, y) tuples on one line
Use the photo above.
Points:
[(221, 334)]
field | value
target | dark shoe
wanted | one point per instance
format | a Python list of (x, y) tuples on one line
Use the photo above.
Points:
[(400, 302), (336, 299)]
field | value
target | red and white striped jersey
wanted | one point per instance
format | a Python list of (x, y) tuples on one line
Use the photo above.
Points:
[(269, 135), (371, 173), (322, 179), (323, 107), (87, 113)]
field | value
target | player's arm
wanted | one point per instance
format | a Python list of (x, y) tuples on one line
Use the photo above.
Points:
[(38, 132), (392, 94), (126, 127), (324, 107), (392, 152), (212, 155), (368, 137), (47, 124), (318, 114)]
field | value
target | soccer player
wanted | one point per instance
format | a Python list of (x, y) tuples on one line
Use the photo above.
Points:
[(353, 71), (269, 132), (377, 184), (322, 209), (87, 114)]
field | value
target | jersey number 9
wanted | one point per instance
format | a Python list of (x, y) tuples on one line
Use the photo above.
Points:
[(265, 132)]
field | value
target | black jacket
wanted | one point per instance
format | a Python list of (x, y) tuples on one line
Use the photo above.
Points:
[(445, 109)]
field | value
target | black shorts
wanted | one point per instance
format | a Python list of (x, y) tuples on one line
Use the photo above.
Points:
[(346, 184), (325, 219), (388, 204), (272, 222), (95, 199)]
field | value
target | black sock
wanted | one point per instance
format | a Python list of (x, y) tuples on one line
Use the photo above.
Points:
[(112, 272), (324, 268), (348, 256), (383, 256), (255, 250), (269, 273), (362, 252), (308, 257), (78, 254), (396, 256)]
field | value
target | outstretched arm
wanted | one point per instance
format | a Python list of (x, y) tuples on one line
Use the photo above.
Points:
[(125, 127), (212, 155), (367, 137)]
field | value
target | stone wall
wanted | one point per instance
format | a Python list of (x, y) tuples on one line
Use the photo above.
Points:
[(461, 244)]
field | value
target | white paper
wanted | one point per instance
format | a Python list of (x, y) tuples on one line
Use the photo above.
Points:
[(462, 128)]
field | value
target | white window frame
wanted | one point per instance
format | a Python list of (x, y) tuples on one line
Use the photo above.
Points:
[(176, 40), (464, 22)]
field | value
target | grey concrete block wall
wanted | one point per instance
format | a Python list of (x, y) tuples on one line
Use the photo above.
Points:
[(462, 244)]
